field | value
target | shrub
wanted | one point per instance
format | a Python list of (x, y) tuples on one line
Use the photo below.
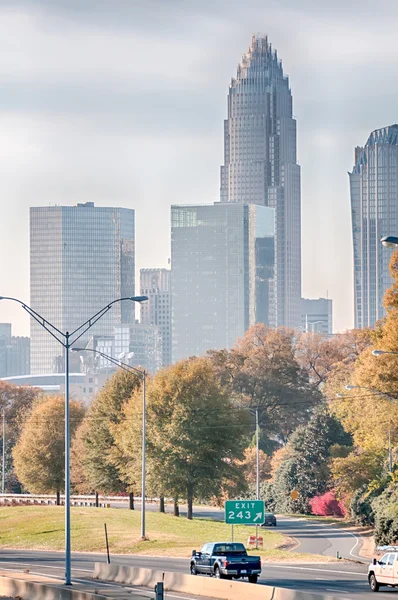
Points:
[(327, 505), (385, 509)]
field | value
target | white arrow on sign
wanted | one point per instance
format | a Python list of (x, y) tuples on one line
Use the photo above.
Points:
[(258, 516)]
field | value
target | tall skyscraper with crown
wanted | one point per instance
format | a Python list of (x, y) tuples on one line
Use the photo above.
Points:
[(260, 165)]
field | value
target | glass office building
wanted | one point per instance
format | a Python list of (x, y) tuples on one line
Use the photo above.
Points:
[(374, 209), (156, 285), (81, 258), (222, 270), (260, 164)]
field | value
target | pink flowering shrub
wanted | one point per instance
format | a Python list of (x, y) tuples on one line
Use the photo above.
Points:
[(327, 505)]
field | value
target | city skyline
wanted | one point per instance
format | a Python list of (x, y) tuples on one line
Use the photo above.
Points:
[(77, 127)]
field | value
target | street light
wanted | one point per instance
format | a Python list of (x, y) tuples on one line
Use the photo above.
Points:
[(142, 373), (381, 352), (389, 241), (3, 472), (66, 340)]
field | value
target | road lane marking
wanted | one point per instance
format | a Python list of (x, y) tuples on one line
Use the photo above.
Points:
[(339, 591), (313, 569), (11, 562)]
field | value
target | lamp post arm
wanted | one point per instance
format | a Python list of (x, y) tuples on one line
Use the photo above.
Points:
[(46, 325), (41, 320), (90, 322), (98, 315)]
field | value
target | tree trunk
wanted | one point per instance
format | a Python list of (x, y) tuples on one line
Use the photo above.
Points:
[(189, 501), (176, 508), (161, 504), (131, 501), (96, 500), (58, 498)]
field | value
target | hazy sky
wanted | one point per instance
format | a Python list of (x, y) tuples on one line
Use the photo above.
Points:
[(122, 102)]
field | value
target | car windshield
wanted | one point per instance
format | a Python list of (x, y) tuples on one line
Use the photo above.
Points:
[(221, 549)]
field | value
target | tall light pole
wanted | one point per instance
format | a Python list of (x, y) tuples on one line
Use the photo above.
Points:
[(3, 471), (142, 373), (67, 339), (257, 458), (384, 395)]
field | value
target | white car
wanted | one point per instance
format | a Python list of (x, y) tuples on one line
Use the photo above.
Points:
[(384, 571)]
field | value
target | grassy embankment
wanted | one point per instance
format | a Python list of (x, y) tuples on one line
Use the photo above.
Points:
[(42, 528)]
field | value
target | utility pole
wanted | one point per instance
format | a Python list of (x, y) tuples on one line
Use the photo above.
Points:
[(389, 449), (3, 472), (257, 470)]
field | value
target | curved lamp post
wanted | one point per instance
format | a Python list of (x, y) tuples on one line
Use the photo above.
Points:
[(67, 339), (142, 373)]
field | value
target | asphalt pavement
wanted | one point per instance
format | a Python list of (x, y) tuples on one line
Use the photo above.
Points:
[(345, 579)]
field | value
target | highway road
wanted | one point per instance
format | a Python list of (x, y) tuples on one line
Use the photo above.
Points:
[(342, 579)]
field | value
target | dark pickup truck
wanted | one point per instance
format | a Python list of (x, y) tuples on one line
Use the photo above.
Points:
[(225, 560)]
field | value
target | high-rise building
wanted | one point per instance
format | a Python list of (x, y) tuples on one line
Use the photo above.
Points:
[(156, 284), (5, 340), (316, 315), (222, 268), (260, 164), (14, 353), (141, 345), (81, 258), (374, 209)]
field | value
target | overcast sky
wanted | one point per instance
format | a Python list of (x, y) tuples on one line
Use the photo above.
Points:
[(122, 102)]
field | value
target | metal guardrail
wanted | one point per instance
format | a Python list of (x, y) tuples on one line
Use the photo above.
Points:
[(76, 500)]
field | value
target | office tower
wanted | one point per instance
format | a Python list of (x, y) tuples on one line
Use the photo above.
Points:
[(316, 315), (141, 344), (5, 340), (260, 164), (81, 258), (14, 353), (374, 209), (156, 284), (222, 268)]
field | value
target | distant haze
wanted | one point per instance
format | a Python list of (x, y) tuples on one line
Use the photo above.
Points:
[(122, 103)]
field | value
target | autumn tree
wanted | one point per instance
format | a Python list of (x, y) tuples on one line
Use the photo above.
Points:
[(17, 402), (92, 466), (249, 465), (39, 455), (261, 371), (321, 356), (194, 433)]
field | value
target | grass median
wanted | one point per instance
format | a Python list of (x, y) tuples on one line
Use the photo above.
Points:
[(42, 528)]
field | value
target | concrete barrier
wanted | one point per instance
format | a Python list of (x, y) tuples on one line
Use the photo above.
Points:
[(38, 590), (222, 589)]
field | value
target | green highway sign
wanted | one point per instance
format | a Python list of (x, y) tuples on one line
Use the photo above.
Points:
[(245, 512)]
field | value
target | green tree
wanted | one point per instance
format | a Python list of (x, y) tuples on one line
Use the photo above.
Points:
[(93, 468), (306, 465), (385, 509), (194, 434), (39, 455)]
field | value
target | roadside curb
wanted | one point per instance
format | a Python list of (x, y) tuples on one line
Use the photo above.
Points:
[(25, 589)]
